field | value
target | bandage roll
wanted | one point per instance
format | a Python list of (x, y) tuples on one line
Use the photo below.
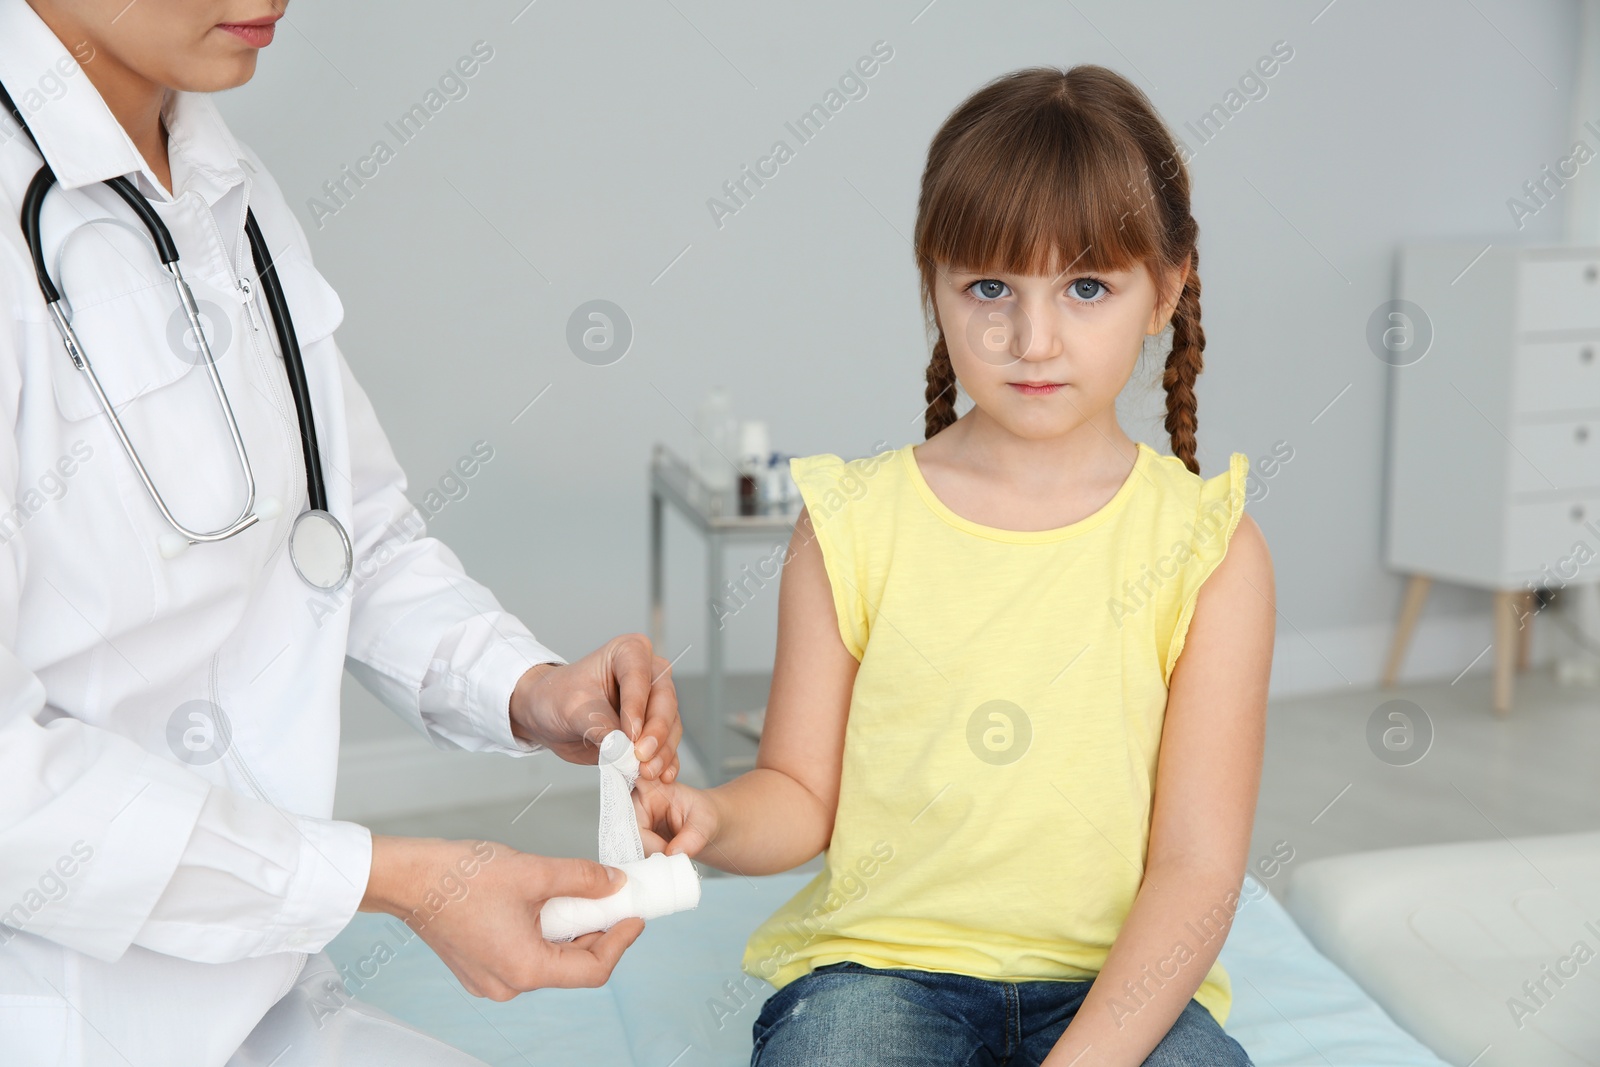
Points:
[(659, 885), (617, 751), (619, 828)]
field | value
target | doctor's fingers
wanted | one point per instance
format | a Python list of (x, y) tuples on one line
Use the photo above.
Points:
[(554, 877), (589, 960), (632, 669), (584, 963), (662, 724)]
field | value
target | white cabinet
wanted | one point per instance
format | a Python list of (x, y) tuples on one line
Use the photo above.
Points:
[(1494, 434), (1494, 442)]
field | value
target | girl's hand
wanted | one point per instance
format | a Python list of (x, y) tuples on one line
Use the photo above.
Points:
[(675, 818)]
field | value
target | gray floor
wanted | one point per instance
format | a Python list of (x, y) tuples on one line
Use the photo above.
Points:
[(1324, 789)]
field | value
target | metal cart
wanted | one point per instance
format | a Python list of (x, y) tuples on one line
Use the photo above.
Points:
[(715, 515)]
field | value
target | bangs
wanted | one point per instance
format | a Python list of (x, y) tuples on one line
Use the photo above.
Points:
[(1038, 191)]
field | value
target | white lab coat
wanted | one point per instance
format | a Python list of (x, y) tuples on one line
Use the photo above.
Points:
[(158, 901)]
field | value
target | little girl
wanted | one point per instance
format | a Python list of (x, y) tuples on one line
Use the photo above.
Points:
[(1020, 688)]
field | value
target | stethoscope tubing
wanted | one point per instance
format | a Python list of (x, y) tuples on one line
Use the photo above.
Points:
[(295, 367), (33, 205), (166, 247)]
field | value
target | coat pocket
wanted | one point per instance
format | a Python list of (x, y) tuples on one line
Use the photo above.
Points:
[(313, 305), (137, 341), (130, 323)]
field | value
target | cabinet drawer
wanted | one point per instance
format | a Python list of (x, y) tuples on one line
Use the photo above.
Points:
[(1565, 453), (1556, 376), (1559, 294), (1545, 538)]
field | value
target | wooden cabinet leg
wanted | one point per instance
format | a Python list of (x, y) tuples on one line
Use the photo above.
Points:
[(1505, 647), (1410, 611), (1529, 604)]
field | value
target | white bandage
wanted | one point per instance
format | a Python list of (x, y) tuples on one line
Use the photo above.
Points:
[(656, 886)]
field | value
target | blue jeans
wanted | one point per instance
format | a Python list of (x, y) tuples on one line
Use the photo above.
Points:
[(850, 1015)]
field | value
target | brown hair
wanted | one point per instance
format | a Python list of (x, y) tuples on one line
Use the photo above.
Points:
[(1077, 163)]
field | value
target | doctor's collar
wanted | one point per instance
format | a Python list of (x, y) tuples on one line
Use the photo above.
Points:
[(82, 140)]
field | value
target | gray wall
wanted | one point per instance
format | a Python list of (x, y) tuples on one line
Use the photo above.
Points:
[(580, 160)]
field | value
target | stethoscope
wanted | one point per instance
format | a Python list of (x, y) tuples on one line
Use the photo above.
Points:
[(319, 547)]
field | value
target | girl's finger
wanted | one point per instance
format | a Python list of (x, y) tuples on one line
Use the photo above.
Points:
[(688, 841)]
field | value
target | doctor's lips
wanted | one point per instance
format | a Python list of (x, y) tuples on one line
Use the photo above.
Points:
[(254, 32)]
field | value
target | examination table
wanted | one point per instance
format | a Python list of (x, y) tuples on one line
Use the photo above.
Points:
[(678, 998)]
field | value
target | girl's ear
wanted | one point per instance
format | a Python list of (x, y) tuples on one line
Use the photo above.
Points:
[(1172, 293)]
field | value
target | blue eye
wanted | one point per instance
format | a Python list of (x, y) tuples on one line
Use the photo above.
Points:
[(1077, 292), (987, 289)]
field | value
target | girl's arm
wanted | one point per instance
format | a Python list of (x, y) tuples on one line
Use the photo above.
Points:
[(1204, 806), (779, 815)]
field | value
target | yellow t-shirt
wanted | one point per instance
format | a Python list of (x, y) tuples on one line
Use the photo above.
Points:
[(1003, 733)]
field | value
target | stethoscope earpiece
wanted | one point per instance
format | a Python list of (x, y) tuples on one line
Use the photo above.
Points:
[(172, 545)]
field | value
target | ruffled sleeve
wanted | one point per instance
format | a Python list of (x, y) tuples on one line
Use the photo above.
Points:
[(1217, 515), (829, 485)]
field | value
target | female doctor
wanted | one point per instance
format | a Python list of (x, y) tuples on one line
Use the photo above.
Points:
[(169, 713)]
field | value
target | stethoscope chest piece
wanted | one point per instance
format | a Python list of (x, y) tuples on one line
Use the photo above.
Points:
[(319, 548)]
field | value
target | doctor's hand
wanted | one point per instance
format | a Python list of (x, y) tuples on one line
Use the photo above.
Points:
[(620, 685), (476, 904)]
